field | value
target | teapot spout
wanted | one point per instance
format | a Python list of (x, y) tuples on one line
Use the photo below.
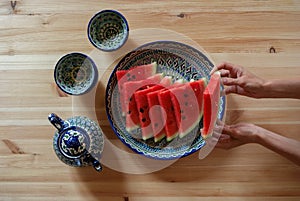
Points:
[(97, 165), (78, 162), (57, 122)]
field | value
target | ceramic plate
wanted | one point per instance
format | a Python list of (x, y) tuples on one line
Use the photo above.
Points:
[(177, 60)]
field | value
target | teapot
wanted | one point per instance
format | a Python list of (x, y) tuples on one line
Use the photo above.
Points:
[(78, 141)]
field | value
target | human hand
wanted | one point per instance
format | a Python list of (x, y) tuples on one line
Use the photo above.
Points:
[(240, 81), (238, 134)]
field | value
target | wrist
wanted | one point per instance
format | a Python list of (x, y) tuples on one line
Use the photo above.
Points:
[(282, 89), (262, 136), (268, 89), (259, 138)]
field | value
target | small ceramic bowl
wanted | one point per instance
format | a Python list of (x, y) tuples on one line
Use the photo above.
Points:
[(76, 74), (108, 30)]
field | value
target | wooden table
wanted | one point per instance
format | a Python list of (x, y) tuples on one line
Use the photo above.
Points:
[(260, 35)]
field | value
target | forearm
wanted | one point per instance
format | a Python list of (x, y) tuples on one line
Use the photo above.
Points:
[(284, 146), (282, 88)]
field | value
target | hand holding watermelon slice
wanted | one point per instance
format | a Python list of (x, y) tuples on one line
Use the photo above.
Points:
[(240, 81)]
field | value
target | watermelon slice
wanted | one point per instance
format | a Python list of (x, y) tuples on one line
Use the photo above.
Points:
[(143, 106), (187, 101), (158, 114), (164, 98), (130, 87), (211, 104), (134, 74)]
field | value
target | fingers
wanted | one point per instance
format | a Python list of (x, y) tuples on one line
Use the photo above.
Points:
[(225, 66), (231, 81), (228, 144), (224, 73), (224, 138), (229, 90), (227, 130)]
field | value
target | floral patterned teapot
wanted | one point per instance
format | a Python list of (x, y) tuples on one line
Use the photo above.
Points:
[(78, 141)]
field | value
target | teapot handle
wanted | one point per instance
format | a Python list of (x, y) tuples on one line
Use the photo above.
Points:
[(57, 122)]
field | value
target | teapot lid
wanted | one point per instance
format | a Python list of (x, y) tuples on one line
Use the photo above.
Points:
[(73, 142)]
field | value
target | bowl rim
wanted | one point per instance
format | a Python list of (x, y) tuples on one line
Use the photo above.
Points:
[(97, 15), (94, 66)]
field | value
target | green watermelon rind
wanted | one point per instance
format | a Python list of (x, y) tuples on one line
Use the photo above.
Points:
[(192, 127), (159, 138), (169, 139), (132, 128)]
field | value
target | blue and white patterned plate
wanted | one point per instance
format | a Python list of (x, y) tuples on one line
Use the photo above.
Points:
[(177, 60)]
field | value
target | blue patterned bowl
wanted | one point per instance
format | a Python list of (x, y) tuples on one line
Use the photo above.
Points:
[(76, 74), (108, 30), (178, 60)]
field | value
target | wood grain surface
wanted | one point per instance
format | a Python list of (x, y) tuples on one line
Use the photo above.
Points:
[(263, 36)]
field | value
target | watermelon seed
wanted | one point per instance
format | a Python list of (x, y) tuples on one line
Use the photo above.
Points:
[(129, 112), (133, 77), (143, 119), (141, 110), (185, 95), (156, 124), (183, 117), (186, 103)]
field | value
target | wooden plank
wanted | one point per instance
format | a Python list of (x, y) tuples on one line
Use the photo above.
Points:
[(212, 198), (34, 6)]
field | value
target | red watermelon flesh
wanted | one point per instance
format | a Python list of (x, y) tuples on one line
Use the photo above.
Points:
[(134, 74), (130, 87), (187, 101), (211, 104), (164, 98), (158, 114), (143, 106)]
